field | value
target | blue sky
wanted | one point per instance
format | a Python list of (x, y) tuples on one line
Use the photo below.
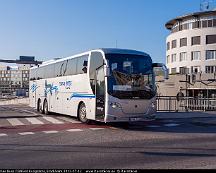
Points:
[(48, 29)]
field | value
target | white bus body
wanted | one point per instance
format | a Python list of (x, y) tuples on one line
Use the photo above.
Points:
[(108, 85)]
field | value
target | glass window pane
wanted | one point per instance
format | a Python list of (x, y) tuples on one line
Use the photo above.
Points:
[(210, 39), (174, 44), (58, 69), (82, 64), (183, 42), (195, 40), (204, 24), (49, 71), (71, 67)]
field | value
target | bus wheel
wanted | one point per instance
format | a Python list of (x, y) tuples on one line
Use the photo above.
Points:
[(82, 113), (40, 107), (46, 111)]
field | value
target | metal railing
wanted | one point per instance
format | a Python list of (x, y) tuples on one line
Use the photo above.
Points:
[(171, 104)]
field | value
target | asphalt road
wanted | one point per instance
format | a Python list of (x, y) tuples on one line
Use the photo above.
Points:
[(32, 141)]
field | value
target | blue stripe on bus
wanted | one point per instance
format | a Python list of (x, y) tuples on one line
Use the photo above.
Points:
[(77, 95)]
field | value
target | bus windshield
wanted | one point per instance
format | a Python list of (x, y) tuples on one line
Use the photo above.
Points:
[(131, 76)]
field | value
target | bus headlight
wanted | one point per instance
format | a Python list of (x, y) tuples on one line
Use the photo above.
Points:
[(115, 105)]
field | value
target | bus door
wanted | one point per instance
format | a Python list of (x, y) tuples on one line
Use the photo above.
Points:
[(100, 93)]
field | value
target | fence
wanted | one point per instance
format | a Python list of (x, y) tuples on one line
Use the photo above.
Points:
[(171, 104)]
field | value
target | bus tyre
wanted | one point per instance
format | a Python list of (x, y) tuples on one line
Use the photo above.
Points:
[(40, 107), (46, 111), (82, 113)]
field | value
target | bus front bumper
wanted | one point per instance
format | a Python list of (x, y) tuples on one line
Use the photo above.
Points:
[(132, 118)]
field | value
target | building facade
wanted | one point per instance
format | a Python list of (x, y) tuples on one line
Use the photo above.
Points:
[(14, 81), (191, 44), (191, 56)]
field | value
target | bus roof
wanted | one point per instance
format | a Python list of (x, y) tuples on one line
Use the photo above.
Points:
[(105, 50), (122, 51)]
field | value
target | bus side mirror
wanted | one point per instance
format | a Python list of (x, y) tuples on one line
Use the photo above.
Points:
[(107, 71), (164, 69)]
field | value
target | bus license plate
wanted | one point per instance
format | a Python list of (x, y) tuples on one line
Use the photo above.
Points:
[(135, 119)]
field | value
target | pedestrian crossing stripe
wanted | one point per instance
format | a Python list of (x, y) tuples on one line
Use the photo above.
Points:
[(171, 125), (3, 134), (34, 121), (26, 133), (96, 128), (153, 126), (164, 125), (15, 122), (50, 132), (53, 120), (74, 130)]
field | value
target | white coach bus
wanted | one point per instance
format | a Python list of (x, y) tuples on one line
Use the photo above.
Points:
[(108, 85)]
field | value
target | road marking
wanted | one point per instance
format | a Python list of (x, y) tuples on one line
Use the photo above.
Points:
[(26, 133), (34, 121), (74, 130), (114, 128), (171, 125), (26, 111), (2, 134), (69, 119), (53, 120), (96, 128), (153, 126), (50, 132), (15, 122), (31, 112)]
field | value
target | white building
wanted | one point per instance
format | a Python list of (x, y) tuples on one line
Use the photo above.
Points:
[(14, 78), (191, 45)]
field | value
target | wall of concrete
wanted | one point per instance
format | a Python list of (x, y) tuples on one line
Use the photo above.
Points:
[(173, 85), (15, 101)]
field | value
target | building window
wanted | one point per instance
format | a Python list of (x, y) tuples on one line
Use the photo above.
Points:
[(168, 46), (210, 39), (183, 42), (185, 26), (173, 58), (204, 23), (183, 70), (195, 55), (196, 24), (173, 70), (210, 54), (174, 44), (183, 56), (210, 23), (195, 69), (214, 22), (195, 40), (210, 69), (168, 59)]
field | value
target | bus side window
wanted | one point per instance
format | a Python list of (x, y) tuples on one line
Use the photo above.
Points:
[(71, 67), (49, 71), (40, 73), (33, 74), (83, 60), (58, 69)]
